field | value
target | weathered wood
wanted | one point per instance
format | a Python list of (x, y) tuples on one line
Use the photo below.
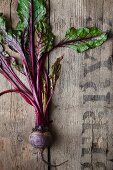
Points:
[(83, 127), (16, 122), (66, 112)]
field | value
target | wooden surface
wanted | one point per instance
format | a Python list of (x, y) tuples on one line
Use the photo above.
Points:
[(82, 125)]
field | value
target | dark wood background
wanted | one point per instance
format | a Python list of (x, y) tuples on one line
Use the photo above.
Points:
[(82, 123)]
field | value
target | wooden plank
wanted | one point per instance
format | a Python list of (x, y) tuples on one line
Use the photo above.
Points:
[(108, 25), (82, 126), (66, 112), (16, 122)]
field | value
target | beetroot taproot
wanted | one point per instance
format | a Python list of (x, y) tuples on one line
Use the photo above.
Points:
[(40, 140)]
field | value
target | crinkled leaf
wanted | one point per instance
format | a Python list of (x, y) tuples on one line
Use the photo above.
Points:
[(74, 33), (2, 26), (4, 56), (18, 30), (87, 38), (13, 43), (17, 65), (41, 25), (20, 26), (6, 34), (11, 61), (44, 33), (83, 46), (2, 23), (55, 72), (39, 9), (23, 12)]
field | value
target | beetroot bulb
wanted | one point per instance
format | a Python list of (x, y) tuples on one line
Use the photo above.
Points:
[(32, 39), (40, 140)]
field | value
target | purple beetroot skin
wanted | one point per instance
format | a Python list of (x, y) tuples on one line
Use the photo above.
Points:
[(40, 140)]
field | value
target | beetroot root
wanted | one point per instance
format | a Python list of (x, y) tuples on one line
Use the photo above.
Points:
[(40, 140)]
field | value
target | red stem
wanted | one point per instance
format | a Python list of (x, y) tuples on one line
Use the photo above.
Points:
[(27, 71), (23, 94), (9, 78), (9, 69), (17, 91), (32, 58), (9, 91)]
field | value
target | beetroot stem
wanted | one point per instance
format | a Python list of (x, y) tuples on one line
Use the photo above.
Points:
[(9, 69), (9, 91), (17, 91), (24, 94)]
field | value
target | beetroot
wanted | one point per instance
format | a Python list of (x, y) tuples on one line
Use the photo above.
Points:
[(40, 140)]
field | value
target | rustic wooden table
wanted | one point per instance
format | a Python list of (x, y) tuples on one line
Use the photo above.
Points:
[(82, 125)]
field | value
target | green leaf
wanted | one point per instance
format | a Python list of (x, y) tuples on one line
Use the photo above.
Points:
[(4, 32), (23, 12), (83, 46), (47, 38), (41, 25), (39, 8), (74, 33), (2, 23), (17, 65), (20, 26), (2, 27), (55, 72), (83, 39)]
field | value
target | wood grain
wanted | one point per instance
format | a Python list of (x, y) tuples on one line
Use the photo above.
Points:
[(83, 129)]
